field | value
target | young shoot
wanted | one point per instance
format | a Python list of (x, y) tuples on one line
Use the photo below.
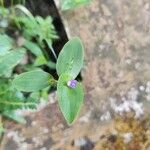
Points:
[(69, 91)]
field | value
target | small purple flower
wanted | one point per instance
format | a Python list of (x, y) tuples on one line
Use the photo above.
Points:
[(72, 83)]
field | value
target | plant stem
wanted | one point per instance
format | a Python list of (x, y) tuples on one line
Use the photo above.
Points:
[(49, 43), (17, 103), (53, 52), (2, 2), (44, 51), (53, 82), (13, 9), (11, 3)]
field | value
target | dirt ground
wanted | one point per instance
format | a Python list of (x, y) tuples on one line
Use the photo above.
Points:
[(116, 78)]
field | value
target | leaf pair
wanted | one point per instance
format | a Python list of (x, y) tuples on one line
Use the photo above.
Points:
[(69, 64)]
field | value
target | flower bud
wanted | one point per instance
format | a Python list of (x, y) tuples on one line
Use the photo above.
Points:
[(72, 83)]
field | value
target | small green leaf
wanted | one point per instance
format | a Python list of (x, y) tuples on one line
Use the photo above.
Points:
[(70, 59), (38, 28), (32, 81), (10, 60), (40, 60), (14, 116), (70, 99), (33, 48), (49, 43), (69, 4), (51, 65), (6, 43)]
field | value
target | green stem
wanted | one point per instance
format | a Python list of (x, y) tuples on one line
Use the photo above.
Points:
[(11, 3), (51, 47), (53, 82), (43, 50), (13, 9), (49, 43), (17, 103), (2, 2)]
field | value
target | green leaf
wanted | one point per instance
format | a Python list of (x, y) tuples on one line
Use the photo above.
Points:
[(70, 59), (51, 65), (38, 28), (11, 99), (40, 60), (70, 99), (6, 43), (49, 43), (32, 81), (10, 60), (69, 4), (14, 116), (33, 48)]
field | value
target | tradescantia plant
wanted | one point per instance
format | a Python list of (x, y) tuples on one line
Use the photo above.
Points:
[(69, 91)]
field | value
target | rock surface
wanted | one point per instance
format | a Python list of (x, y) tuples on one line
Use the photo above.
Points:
[(116, 35)]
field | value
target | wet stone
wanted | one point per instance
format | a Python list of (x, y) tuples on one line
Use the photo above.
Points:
[(83, 143), (11, 145)]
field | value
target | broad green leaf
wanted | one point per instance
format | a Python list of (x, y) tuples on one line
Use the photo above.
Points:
[(69, 4), (6, 43), (10, 60), (70, 99), (33, 48), (70, 59), (8, 73), (14, 116), (32, 81)]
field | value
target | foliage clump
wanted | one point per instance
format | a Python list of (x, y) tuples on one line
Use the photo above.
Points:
[(22, 48), (25, 46)]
